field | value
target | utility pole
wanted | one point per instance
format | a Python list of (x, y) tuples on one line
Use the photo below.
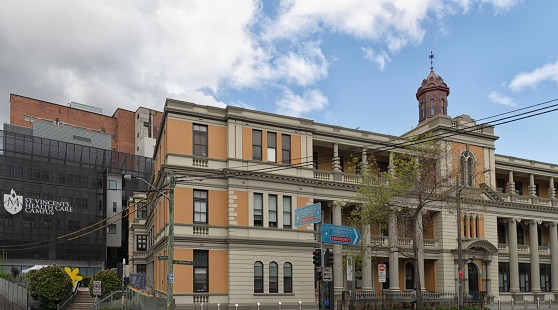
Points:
[(170, 245), (459, 254)]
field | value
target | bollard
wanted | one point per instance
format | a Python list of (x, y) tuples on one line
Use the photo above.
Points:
[(279, 305), (499, 304), (513, 304), (550, 302), (236, 306), (258, 305), (538, 303), (201, 306), (218, 306), (299, 305), (525, 303)]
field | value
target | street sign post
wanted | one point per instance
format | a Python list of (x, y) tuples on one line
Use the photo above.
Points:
[(96, 287), (340, 234), (327, 274), (162, 257), (381, 273), (308, 215)]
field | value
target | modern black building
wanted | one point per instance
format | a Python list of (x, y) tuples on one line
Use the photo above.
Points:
[(64, 203)]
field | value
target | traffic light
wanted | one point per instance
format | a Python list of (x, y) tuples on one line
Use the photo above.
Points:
[(329, 258), (119, 270), (317, 257), (317, 275)]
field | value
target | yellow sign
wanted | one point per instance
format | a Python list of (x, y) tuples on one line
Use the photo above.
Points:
[(74, 275)]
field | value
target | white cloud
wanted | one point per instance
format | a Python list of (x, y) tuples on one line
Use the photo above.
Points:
[(200, 97), (533, 78), (501, 99), (294, 105), (379, 58)]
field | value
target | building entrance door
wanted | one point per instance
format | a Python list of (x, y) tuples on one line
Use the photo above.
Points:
[(473, 277)]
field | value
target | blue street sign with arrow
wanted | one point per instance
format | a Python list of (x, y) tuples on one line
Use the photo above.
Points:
[(308, 215), (340, 234)]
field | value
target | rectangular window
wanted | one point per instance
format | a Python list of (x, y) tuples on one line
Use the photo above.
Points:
[(141, 242), (28, 222), (525, 277), (200, 140), (272, 199), (111, 184), (141, 212), (545, 277), (258, 209), (112, 229), (286, 149), (287, 211), (47, 223), (501, 185), (315, 160), (201, 263), (256, 144), (114, 206), (200, 206), (6, 220), (287, 278), (141, 268), (272, 146)]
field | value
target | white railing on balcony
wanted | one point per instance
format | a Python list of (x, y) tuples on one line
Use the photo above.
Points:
[(404, 242), (503, 247), (200, 230), (323, 175), (379, 240), (523, 248), (200, 162), (544, 250), (430, 243), (139, 254), (351, 178)]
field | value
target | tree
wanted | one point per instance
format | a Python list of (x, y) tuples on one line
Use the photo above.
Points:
[(109, 281), (418, 179), (49, 285)]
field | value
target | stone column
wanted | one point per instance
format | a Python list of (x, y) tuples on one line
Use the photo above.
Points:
[(551, 189), (532, 188), (467, 226), (420, 248), (367, 261), (486, 276), (511, 184), (534, 247), (466, 276), (336, 160), (338, 277), (393, 253), (514, 262), (553, 231), (364, 156)]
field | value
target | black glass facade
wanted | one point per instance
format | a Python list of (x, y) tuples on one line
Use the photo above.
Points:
[(53, 189)]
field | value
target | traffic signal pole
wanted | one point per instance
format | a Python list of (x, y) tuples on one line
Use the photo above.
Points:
[(322, 252)]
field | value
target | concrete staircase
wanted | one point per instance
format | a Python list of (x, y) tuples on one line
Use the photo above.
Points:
[(83, 300)]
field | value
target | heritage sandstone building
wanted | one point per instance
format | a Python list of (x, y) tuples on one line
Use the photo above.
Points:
[(241, 174)]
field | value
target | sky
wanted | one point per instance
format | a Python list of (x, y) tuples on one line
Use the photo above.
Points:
[(351, 63)]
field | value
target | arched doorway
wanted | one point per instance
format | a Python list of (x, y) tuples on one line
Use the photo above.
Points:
[(473, 277)]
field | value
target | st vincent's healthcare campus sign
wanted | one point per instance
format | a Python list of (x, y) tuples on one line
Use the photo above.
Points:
[(14, 204)]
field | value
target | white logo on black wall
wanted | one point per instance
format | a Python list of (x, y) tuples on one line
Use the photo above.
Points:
[(14, 204)]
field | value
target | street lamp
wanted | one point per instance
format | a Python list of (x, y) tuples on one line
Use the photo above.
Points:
[(459, 249), (170, 241)]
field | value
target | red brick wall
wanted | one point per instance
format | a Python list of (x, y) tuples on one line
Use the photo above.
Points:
[(121, 123)]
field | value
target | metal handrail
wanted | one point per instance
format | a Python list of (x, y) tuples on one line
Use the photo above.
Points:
[(63, 305)]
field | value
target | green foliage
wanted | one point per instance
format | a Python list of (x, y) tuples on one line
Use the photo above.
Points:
[(49, 285), (109, 281), (5, 276)]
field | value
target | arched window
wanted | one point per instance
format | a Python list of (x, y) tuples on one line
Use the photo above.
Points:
[(467, 168), (442, 107), (501, 233), (258, 277), (520, 235), (431, 106), (287, 278), (409, 276), (422, 111), (273, 278)]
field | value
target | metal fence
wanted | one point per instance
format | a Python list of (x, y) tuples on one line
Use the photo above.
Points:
[(14, 296), (372, 300)]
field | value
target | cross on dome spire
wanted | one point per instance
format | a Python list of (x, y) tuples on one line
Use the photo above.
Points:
[(431, 56)]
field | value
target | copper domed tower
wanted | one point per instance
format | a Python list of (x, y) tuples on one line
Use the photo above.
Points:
[(432, 96)]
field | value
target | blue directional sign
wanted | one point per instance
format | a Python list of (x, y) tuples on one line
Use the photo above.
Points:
[(340, 234), (308, 215)]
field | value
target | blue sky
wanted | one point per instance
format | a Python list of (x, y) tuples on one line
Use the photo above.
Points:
[(348, 63)]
